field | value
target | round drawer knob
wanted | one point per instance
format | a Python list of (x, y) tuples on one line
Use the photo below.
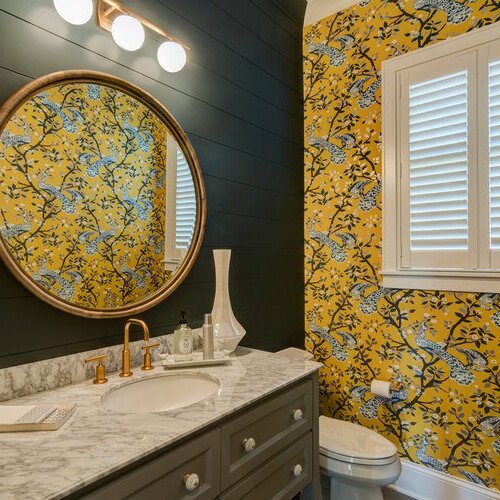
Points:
[(191, 481), (297, 414), (297, 470), (248, 444)]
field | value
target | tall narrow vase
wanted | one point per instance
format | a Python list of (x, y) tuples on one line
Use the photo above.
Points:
[(227, 331)]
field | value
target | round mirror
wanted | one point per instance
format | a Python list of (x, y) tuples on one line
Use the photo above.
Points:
[(101, 194)]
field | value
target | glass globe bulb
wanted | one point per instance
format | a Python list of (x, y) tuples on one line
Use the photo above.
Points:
[(171, 56), (75, 11), (128, 33)]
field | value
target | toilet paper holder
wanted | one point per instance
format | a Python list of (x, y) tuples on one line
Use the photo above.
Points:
[(396, 386), (385, 388)]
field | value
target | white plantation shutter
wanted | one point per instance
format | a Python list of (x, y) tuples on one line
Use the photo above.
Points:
[(438, 163), (180, 216), (185, 203), (494, 153), (441, 160)]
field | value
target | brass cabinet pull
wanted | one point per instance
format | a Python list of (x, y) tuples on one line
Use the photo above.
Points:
[(191, 481), (248, 444), (297, 415), (147, 356), (297, 470), (100, 370)]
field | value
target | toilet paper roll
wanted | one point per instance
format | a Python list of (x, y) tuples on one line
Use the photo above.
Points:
[(381, 388)]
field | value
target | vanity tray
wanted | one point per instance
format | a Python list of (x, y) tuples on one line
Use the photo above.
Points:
[(220, 358), (34, 418)]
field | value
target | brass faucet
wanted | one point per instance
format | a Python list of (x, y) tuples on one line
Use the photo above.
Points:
[(126, 352)]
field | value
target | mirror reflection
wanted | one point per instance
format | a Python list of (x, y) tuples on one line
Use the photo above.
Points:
[(98, 202)]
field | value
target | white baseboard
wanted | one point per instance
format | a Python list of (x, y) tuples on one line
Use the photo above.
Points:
[(422, 483)]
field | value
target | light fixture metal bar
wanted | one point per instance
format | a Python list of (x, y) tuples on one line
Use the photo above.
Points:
[(107, 10)]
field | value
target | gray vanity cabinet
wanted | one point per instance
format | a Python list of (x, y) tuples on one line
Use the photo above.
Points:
[(164, 477), (267, 451)]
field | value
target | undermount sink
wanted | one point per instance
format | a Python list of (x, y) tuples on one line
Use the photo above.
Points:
[(161, 393)]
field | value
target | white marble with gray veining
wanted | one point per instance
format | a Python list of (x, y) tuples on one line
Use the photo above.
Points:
[(95, 441), (22, 380)]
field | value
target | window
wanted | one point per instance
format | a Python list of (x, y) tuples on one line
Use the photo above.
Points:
[(441, 167), (181, 206)]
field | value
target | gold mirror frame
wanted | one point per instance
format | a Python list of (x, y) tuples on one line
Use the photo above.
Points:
[(38, 85)]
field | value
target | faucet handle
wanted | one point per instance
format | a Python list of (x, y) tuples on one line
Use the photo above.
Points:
[(147, 356), (100, 370)]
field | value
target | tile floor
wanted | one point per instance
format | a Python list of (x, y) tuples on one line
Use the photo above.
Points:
[(394, 495)]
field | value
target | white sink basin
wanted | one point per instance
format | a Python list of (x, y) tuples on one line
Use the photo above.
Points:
[(161, 393)]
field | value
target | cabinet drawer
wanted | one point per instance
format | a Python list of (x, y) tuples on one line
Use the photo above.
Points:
[(281, 478), (163, 477), (271, 425)]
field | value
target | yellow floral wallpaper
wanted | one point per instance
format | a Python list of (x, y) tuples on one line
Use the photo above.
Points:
[(444, 347), (82, 179)]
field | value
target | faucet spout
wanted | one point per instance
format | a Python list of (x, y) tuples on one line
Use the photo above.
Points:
[(126, 338)]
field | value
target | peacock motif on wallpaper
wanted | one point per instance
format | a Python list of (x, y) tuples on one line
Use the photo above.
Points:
[(339, 351), (9, 139), (92, 239), (68, 201), (435, 463), (64, 288), (337, 55), (458, 371), (456, 12), (367, 94), (14, 230), (338, 156), (70, 118), (95, 162)]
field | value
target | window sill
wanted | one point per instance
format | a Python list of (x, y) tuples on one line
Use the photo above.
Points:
[(460, 281)]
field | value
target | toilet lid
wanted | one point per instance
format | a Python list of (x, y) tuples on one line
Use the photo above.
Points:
[(352, 440)]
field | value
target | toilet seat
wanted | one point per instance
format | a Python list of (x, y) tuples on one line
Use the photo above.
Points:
[(353, 443), (361, 461)]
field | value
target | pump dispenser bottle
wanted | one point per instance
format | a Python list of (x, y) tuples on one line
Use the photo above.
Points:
[(183, 340)]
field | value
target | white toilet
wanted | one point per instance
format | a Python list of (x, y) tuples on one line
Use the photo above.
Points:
[(355, 462)]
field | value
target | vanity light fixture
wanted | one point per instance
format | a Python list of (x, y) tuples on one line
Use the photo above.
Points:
[(171, 56), (128, 32), (127, 29), (75, 11)]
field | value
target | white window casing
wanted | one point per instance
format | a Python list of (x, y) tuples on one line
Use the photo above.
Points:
[(441, 165)]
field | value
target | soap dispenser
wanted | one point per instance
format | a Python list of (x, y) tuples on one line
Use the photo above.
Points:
[(183, 340)]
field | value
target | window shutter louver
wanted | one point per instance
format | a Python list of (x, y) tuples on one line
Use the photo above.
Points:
[(438, 163), (186, 203), (494, 153)]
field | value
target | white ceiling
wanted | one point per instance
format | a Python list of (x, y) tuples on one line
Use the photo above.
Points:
[(318, 9)]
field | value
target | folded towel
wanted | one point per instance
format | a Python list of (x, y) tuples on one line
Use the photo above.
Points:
[(34, 418)]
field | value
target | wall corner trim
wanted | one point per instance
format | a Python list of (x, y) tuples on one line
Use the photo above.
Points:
[(422, 483)]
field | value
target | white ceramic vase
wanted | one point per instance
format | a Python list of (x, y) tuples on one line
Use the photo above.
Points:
[(227, 331)]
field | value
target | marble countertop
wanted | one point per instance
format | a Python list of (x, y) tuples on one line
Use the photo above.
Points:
[(95, 442)]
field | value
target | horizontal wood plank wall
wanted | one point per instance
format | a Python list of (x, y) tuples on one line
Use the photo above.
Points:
[(240, 101)]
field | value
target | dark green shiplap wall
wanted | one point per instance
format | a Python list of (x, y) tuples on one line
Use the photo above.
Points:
[(240, 101)]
